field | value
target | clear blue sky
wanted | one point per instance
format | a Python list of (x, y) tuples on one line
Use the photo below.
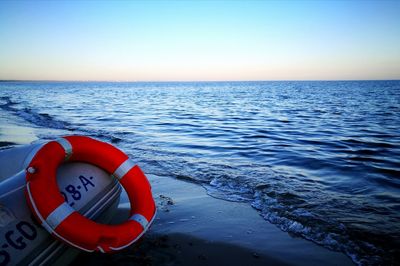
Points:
[(199, 40)]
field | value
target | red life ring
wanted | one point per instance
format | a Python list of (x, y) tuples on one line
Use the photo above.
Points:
[(61, 220)]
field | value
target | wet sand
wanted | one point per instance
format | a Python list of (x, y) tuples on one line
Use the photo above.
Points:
[(11, 130), (193, 228)]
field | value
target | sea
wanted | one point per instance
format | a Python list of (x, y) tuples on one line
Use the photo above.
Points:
[(319, 159)]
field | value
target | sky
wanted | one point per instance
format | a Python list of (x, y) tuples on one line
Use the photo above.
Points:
[(199, 40)]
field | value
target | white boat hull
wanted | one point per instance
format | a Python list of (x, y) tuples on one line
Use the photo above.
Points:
[(87, 188)]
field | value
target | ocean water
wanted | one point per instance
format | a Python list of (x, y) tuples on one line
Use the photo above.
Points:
[(320, 160)]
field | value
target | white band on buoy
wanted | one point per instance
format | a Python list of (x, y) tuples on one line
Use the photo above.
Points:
[(67, 147), (140, 219), (123, 169), (59, 215)]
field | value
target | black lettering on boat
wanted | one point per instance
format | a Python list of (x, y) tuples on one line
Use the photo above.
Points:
[(17, 243), (86, 182), (27, 230)]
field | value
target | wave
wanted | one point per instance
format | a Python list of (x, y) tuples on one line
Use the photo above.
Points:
[(46, 120), (29, 115), (305, 216), (297, 204)]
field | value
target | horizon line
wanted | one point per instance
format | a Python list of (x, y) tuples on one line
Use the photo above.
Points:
[(187, 81)]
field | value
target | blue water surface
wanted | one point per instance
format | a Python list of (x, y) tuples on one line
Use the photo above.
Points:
[(319, 159)]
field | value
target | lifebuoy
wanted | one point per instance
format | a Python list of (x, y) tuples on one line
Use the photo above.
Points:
[(61, 220)]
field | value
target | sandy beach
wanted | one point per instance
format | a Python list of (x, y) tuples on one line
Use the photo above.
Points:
[(13, 133), (193, 228)]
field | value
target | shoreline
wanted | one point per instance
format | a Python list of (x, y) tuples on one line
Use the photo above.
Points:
[(13, 133), (193, 228)]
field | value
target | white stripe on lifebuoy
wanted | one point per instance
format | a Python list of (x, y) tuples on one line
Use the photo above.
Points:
[(45, 225), (139, 219), (139, 236), (67, 147), (59, 215), (123, 169)]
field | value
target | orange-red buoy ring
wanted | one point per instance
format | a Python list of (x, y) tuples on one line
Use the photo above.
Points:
[(61, 220)]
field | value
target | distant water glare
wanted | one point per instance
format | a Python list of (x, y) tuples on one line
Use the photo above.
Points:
[(321, 160)]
